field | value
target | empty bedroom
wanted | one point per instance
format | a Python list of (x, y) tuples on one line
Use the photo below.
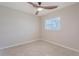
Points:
[(39, 29)]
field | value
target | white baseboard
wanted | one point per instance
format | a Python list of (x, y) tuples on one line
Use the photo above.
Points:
[(73, 49), (21, 43)]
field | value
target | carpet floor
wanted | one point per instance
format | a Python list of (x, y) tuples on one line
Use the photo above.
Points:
[(38, 48)]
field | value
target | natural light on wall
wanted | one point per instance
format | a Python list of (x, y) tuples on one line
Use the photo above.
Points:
[(53, 24)]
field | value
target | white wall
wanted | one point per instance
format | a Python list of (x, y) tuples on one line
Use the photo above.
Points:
[(69, 33), (17, 27)]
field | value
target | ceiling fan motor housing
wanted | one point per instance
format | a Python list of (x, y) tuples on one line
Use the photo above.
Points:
[(39, 3)]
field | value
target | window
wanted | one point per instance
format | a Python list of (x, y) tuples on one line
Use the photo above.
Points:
[(53, 24)]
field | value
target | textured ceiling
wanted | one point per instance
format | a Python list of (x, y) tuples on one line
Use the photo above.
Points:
[(25, 7)]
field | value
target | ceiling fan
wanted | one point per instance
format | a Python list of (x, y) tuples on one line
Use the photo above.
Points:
[(40, 7)]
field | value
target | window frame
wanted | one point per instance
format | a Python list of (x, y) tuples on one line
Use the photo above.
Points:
[(55, 25)]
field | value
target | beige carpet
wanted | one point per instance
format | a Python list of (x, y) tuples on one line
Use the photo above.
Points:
[(37, 48)]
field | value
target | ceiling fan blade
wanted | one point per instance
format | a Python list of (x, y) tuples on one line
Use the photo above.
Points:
[(48, 7), (31, 3), (36, 12)]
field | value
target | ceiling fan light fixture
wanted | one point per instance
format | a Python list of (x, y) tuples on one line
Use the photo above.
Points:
[(39, 9)]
